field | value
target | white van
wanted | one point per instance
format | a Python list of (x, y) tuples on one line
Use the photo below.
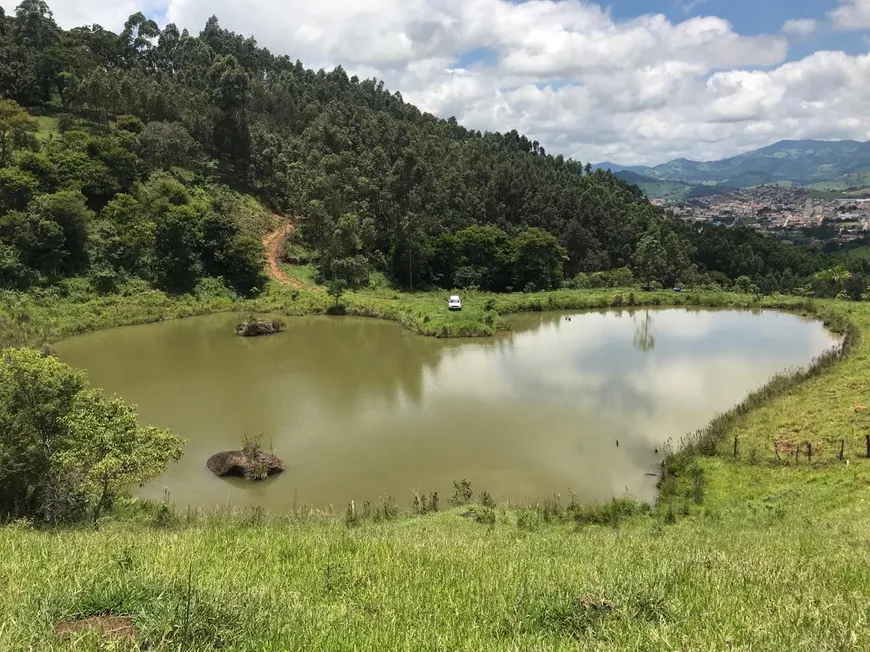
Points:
[(453, 303)]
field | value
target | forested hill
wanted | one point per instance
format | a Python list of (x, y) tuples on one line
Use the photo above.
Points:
[(151, 122)]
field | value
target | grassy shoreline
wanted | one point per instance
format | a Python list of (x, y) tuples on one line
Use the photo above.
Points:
[(552, 576), (40, 319)]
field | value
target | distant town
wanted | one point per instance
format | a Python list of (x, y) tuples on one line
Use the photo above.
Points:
[(787, 213)]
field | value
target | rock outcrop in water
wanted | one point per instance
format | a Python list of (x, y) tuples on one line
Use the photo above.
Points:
[(252, 327), (251, 466)]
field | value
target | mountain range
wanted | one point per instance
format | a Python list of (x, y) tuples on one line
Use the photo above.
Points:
[(823, 165)]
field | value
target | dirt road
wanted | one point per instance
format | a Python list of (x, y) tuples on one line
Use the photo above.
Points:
[(273, 243)]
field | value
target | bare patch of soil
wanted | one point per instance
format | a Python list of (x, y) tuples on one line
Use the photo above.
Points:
[(272, 244), (118, 628)]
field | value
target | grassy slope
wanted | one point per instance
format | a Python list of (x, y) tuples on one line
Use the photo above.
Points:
[(785, 573), (821, 412), (669, 190), (773, 558), (47, 127)]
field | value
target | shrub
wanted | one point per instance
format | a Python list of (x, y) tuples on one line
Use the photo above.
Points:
[(129, 123), (485, 515), (65, 123), (462, 493), (486, 500), (66, 449)]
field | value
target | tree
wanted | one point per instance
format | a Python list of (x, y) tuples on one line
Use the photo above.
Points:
[(344, 259), (129, 123), (230, 93), (40, 166), (17, 188), (483, 257), (168, 144), (676, 258), (745, 285), (335, 289), (13, 274), (108, 450), (768, 284), (34, 24), (539, 261), (411, 252), (67, 209), (650, 260), (123, 238), (787, 281), (830, 282), (167, 46), (39, 242), (138, 37), (15, 126), (99, 89), (176, 249), (36, 393)]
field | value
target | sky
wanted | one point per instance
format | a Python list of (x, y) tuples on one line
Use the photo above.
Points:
[(629, 81)]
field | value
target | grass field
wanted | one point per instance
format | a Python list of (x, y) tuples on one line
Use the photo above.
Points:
[(745, 553), (859, 252), (776, 565), (848, 193), (47, 127)]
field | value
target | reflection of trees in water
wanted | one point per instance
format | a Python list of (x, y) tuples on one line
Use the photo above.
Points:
[(532, 321), (643, 335), (350, 360)]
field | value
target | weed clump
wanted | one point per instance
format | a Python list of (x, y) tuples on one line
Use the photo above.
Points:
[(462, 493), (486, 500), (424, 504)]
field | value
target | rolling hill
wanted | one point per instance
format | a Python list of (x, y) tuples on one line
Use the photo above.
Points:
[(835, 164)]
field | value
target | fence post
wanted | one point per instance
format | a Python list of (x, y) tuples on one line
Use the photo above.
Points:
[(735, 445), (867, 438), (810, 452), (842, 446)]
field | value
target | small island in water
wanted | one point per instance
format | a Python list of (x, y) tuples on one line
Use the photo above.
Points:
[(251, 462), (254, 327)]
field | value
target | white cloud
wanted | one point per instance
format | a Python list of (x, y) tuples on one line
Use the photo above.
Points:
[(110, 15), (851, 15), (800, 27), (565, 72)]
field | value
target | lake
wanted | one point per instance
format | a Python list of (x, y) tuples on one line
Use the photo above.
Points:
[(360, 408)]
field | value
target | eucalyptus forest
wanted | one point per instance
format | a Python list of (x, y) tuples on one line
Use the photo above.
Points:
[(167, 143)]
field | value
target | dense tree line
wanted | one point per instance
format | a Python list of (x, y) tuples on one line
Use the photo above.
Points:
[(104, 205), (376, 184)]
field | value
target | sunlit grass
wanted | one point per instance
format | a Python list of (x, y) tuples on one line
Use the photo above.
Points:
[(745, 572), (48, 126), (747, 553)]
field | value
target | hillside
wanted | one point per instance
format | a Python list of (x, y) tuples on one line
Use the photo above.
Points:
[(670, 190), (377, 185), (656, 188), (141, 126), (828, 164)]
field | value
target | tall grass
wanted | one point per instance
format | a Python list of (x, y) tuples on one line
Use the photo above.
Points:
[(442, 582)]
